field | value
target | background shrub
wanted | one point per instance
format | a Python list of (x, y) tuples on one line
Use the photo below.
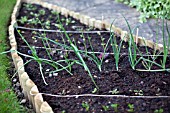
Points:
[(150, 8)]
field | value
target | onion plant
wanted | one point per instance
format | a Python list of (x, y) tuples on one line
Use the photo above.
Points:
[(132, 49), (116, 49), (166, 47), (93, 57), (39, 60), (151, 59), (78, 54), (97, 60)]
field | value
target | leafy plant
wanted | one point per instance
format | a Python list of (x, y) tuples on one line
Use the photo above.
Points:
[(150, 8), (130, 108), (63, 111), (54, 12), (47, 24), (68, 21), (35, 14), (138, 92), (114, 92), (23, 19), (41, 12), (59, 26), (30, 6), (86, 106), (106, 108), (159, 110), (115, 107), (34, 21), (94, 90)]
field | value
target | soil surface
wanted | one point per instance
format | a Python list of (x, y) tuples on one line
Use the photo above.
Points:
[(75, 80)]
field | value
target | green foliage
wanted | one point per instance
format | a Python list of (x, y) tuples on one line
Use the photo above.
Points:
[(106, 108), (8, 99), (94, 90), (30, 7), (150, 8), (23, 19), (86, 106), (159, 110), (115, 107), (42, 12), (130, 108)]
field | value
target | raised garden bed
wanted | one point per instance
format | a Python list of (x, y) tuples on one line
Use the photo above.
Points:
[(87, 78)]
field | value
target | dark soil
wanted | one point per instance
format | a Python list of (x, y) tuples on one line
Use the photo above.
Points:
[(126, 81)]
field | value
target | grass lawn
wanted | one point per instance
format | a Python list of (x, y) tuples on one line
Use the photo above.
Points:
[(8, 100)]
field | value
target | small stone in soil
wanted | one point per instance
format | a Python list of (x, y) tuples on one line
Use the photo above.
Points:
[(47, 70), (141, 82), (55, 74), (95, 76), (23, 101), (61, 56), (50, 75), (14, 80), (106, 61)]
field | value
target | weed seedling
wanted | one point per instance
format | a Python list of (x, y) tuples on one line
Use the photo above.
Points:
[(34, 21), (54, 12), (138, 92), (41, 12), (30, 6), (106, 108), (23, 19), (159, 110), (58, 26), (114, 92), (94, 90), (34, 14), (47, 24), (68, 21), (86, 106), (130, 108), (115, 107)]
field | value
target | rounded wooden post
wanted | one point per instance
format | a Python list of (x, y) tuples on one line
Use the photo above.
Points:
[(20, 67), (34, 91), (24, 78), (29, 85), (38, 102), (45, 108)]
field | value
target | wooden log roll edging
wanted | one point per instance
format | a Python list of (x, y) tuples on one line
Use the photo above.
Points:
[(29, 88)]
